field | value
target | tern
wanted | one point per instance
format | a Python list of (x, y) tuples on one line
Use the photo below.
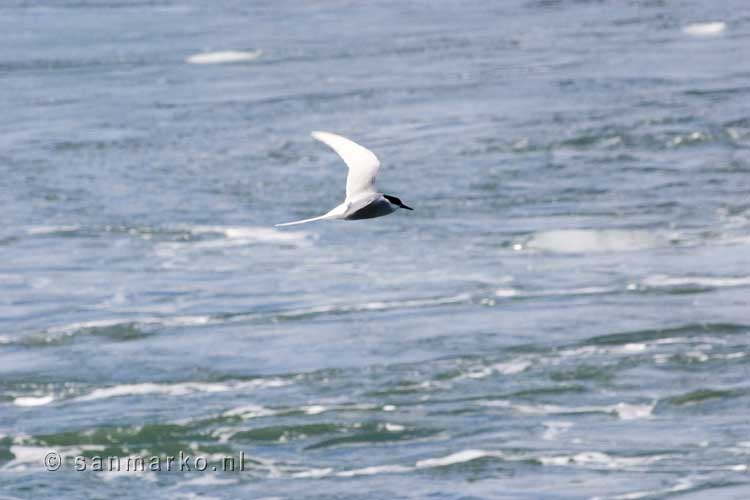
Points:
[(362, 201)]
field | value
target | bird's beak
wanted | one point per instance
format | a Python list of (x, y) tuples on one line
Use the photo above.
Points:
[(404, 206)]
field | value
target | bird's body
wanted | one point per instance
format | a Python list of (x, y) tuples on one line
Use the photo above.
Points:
[(362, 199)]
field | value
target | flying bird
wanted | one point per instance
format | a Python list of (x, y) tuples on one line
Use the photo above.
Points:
[(362, 201)]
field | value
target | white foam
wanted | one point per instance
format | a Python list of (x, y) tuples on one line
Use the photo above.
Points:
[(634, 347), (457, 458), (41, 230), (227, 56), (593, 241), (376, 469), (210, 479), (681, 485), (664, 281), (313, 473), (178, 389), (705, 29), (554, 429), (33, 401), (379, 305), (229, 237), (511, 367), (507, 368), (314, 409), (588, 290), (189, 495), (632, 411), (598, 459), (250, 233), (112, 322), (623, 411), (629, 348), (28, 454), (110, 470), (249, 411), (152, 388)]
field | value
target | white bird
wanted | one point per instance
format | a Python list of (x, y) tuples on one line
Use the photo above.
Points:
[(362, 199)]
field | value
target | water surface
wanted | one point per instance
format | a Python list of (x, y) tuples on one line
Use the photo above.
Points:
[(564, 315)]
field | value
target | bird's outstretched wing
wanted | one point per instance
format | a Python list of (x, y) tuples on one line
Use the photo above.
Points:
[(363, 164)]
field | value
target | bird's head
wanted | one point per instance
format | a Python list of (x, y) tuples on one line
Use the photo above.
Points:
[(396, 201)]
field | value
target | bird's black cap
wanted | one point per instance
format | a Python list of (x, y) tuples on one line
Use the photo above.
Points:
[(396, 201)]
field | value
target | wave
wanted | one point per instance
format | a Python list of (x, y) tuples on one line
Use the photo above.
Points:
[(663, 334), (624, 411), (694, 282), (121, 329), (148, 388), (33, 401), (63, 230), (705, 29), (595, 241), (375, 306), (596, 459), (588, 459), (224, 57), (589, 290), (137, 327)]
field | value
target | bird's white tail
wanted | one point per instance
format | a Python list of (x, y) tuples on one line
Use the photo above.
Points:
[(304, 221)]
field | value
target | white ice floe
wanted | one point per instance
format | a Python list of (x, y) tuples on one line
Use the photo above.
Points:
[(705, 29), (223, 57)]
